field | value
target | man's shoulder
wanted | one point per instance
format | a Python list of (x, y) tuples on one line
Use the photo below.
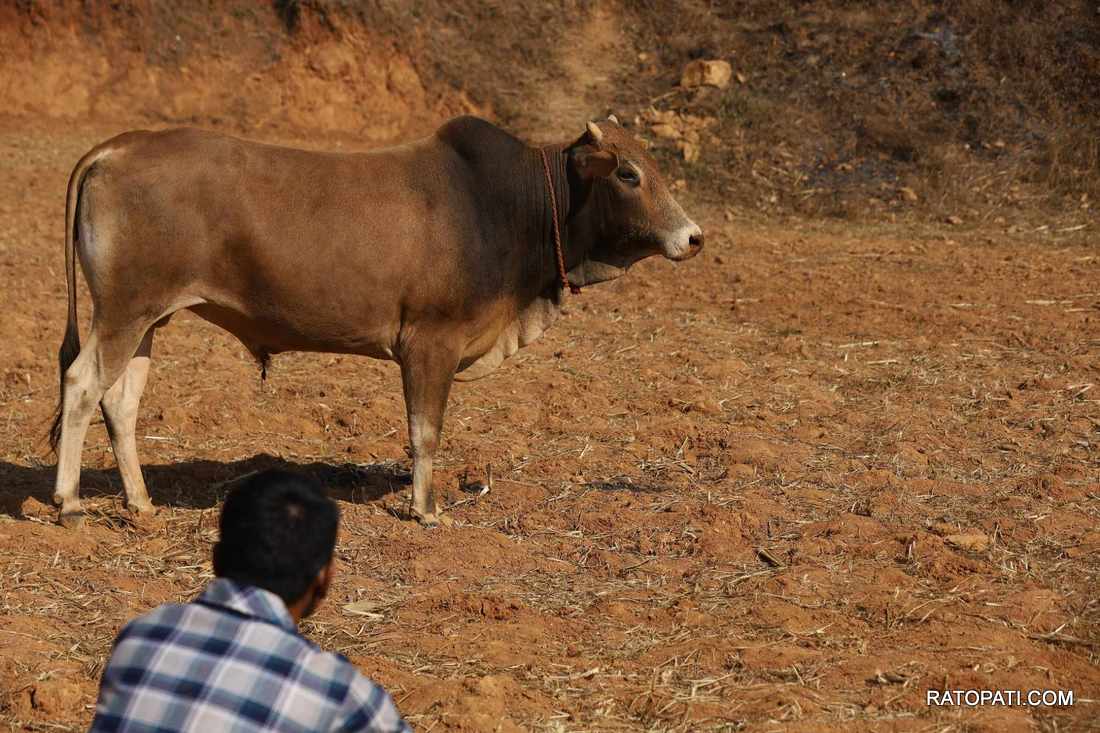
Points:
[(329, 665), (367, 705), (346, 683), (328, 679), (162, 618), (186, 624)]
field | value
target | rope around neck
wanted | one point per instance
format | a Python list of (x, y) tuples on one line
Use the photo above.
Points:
[(575, 289)]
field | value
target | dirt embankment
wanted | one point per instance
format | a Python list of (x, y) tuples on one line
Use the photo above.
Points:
[(977, 111), (875, 111), (244, 67)]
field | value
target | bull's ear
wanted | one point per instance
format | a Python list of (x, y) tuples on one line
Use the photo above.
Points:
[(590, 158), (591, 162)]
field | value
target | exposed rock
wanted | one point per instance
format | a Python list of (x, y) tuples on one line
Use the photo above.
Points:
[(670, 125), (706, 73), (32, 507), (689, 150), (665, 130)]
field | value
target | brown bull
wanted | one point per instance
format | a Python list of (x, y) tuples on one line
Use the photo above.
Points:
[(439, 255)]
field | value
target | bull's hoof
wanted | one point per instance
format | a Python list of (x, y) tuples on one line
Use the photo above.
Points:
[(142, 510), (433, 519), (71, 519), (144, 515)]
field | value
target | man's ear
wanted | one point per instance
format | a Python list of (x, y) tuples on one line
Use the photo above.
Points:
[(324, 580), (217, 559), (592, 162)]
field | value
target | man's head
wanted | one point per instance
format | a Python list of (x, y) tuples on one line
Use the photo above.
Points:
[(632, 212), (278, 532)]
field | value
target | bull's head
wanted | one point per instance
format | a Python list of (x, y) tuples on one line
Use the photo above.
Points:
[(624, 208)]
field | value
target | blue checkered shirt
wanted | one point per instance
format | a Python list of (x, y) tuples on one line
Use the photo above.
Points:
[(232, 660)]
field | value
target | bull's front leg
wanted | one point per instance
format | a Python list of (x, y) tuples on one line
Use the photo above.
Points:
[(426, 375)]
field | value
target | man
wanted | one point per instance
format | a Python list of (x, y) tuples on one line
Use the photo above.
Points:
[(232, 659)]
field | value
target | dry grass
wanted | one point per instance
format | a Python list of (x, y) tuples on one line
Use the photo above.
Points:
[(841, 107), (723, 496), (748, 525)]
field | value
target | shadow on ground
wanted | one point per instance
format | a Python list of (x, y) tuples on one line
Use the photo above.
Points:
[(201, 484)]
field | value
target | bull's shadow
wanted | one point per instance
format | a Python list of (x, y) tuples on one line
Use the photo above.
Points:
[(201, 484)]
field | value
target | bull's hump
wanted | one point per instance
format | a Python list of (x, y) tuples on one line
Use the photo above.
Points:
[(468, 125), (474, 138), (171, 139)]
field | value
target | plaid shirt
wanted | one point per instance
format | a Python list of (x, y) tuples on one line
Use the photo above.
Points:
[(232, 660)]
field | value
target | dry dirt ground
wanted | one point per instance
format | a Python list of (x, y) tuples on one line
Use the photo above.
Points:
[(791, 484)]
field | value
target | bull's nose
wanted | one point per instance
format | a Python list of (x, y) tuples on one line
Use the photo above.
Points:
[(685, 243)]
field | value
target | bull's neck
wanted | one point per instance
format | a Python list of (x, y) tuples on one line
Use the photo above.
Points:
[(573, 248)]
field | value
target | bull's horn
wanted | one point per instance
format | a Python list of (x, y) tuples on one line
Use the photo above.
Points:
[(595, 132), (613, 118)]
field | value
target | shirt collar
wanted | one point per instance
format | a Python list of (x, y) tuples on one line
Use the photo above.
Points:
[(249, 601)]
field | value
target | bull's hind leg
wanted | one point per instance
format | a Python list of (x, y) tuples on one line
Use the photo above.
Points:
[(120, 411), (97, 367), (427, 378)]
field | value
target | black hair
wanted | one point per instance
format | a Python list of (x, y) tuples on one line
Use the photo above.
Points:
[(278, 530)]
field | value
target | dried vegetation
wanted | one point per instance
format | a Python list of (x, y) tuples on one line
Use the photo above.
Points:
[(793, 483)]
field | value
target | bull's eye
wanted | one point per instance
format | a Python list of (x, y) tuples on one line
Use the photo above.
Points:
[(628, 175)]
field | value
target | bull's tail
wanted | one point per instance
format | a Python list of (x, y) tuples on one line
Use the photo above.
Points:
[(70, 345)]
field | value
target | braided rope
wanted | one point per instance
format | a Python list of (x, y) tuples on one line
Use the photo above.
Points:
[(575, 289)]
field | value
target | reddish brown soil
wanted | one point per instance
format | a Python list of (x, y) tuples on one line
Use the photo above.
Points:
[(791, 484), (726, 493)]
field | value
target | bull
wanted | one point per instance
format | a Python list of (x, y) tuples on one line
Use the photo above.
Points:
[(445, 255)]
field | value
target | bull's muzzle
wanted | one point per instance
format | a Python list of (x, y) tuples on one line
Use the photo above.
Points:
[(684, 244)]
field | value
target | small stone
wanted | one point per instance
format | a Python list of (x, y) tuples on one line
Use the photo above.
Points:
[(665, 130), (710, 73), (55, 697), (908, 194), (954, 220), (689, 150), (974, 541), (32, 507)]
